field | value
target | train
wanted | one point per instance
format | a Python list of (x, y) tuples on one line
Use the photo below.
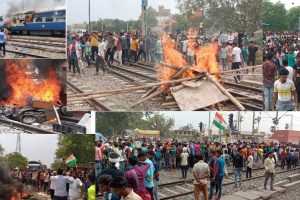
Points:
[(42, 23)]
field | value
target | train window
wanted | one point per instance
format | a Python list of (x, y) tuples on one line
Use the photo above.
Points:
[(39, 19), (60, 19), (49, 19)]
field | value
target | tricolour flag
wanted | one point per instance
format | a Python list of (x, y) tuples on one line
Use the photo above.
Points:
[(71, 160), (219, 121)]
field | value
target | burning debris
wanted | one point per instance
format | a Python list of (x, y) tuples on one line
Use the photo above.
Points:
[(20, 87), (9, 189)]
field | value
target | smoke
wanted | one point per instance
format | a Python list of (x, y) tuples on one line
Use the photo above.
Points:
[(35, 5), (7, 184)]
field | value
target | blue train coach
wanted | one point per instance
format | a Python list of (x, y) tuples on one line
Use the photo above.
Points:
[(38, 23)]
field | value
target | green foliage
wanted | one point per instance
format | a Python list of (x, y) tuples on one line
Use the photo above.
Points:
[(15, 159), (275, 16), (224, 15), (117, 25), (81, 146), (115, 123), (293, 16), (278, 18)]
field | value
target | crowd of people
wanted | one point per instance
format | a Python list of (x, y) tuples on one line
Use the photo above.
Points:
[(106, 48), (70, 184), (281, 71), (131, 167)]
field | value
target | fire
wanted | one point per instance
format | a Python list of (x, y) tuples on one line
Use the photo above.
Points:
[(24, 88), (206, 59)]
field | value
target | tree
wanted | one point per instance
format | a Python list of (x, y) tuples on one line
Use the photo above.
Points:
[(115, 123), (224, 15), (81, 146), (161, 123), (274, 15), (15, 159), (293, 16)]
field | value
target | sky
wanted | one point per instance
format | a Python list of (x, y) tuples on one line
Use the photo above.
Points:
[(33, 146), (288, 3), (113, 9), (183, 118)]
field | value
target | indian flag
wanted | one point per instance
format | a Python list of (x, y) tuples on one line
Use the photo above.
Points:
[(219, 121), (71, 160)]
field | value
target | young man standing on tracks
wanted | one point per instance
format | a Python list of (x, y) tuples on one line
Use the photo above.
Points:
[(269, 73), (284, 89), (270, 170), (218, 176), (249, 166), (2, 42), (238, 164), (100, 62), (201, 172), (237, 58)]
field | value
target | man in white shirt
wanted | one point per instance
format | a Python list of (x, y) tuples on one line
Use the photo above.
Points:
[(75, 185), (289, 68), (101, 56), (270, 170), (52, 184), (237, 58), (249, 166), (230, 38), (201, 172), (60, 186)]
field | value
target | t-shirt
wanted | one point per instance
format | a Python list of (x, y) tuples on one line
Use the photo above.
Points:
[(111, 196), (184, 45), (184, 159), (291, 59), (252, 50), (221, 164), (60, 185), (291, 72), (250, 161), (223, 52), (237, 54), (172, 152), (159, 49), (134, 45), (284, 89), (94, 41), (269, 73), (201, 168), (92, 192)]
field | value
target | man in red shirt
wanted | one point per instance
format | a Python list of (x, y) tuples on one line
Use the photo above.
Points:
[(269, 74)]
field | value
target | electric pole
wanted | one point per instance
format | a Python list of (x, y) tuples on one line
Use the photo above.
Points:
[(253, 126), (89, 16), (18, 145)]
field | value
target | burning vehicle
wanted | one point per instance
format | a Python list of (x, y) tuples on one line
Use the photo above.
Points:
[(33, 91)]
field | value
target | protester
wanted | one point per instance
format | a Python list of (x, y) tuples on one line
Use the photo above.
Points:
[(270, 171)]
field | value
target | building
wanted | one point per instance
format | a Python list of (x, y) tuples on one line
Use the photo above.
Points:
[(146, 133), (184, 133), (164, 15), (287, 136)]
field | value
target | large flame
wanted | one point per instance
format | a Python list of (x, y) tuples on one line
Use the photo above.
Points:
[(25, 88), (206, 59)]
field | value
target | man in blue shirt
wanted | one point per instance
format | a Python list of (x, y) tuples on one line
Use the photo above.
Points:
[(218, 175), (149, 178), (2, 41)]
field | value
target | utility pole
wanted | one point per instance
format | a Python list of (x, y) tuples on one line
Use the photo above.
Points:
[(89, 16), (253, 122), (144, 10), (18, 145), (209, 125)]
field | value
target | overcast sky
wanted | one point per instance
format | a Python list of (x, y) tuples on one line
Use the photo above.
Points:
[(33, 146), (183, 118), (112, 9), (288, 3)]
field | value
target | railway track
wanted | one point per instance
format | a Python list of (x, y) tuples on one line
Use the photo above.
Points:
[(90, 104), (37, 47), (136, 74), (23, 127), (186, 187)]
